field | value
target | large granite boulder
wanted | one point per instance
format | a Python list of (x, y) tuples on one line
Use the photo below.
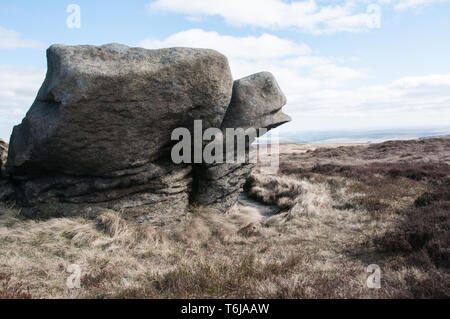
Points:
[(256, 103), (98, 135), (107, 111), (100, 128)]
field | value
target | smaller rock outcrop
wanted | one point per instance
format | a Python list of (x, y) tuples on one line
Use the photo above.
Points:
[(257, 103)]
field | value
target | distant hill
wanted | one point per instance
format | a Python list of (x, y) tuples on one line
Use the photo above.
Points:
[(361, 136), (436, 136)]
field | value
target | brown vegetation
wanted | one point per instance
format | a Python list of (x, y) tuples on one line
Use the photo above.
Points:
[(340, 210)]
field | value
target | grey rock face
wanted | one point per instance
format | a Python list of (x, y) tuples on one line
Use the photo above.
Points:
[(98, 135), (219, 186), (256, 103), (106, 111), (100, 128)]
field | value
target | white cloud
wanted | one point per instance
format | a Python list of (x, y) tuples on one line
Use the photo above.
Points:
[(323, 92), (10, 39), (409, 4), (262, 47), (423, 82), (306, 15), (409, 101), (18, 89), (252, 54)]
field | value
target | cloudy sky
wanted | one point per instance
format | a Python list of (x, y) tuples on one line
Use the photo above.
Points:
[(343, 64)]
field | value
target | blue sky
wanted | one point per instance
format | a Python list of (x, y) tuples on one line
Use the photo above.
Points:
[(344, 64)]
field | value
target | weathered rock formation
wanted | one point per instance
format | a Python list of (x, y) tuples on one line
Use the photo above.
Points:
[(99, 131), (256, 103)]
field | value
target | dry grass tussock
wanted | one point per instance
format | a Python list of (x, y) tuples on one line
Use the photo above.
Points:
[(281, 191), (331, 226)]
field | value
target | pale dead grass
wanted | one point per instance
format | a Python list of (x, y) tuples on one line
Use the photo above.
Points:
[(318, 246), (296, 254)]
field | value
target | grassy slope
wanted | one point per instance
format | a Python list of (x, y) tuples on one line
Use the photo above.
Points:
[(342, 209)]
